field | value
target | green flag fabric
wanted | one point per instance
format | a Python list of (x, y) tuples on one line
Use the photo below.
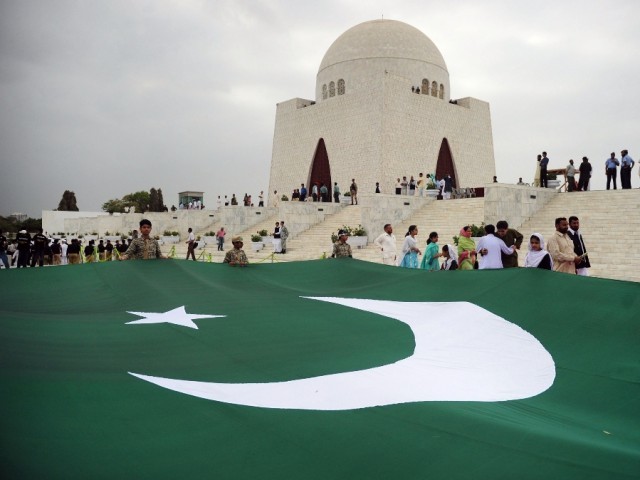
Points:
[(329, 369)]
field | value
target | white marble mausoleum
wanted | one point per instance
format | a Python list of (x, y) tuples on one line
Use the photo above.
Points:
[(369, 123)]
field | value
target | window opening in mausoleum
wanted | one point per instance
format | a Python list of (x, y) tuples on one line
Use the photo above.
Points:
[(434, 89), (324, 91), (341, 87), (425, 86), (332, 89), (441, 91)]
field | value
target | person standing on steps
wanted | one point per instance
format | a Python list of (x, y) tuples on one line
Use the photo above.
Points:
[(353, 190), (191, 245), (579, 248), (544, 163), (626, 165), (387, 243), (284, 234), (611, 170)]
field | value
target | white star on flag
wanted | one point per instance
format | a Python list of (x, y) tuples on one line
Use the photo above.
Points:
[(177, 316)]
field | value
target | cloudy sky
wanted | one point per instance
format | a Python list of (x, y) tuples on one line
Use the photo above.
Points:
[(110, 97)]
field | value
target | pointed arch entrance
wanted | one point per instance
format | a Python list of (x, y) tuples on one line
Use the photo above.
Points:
[(445, 163), (320, 170)]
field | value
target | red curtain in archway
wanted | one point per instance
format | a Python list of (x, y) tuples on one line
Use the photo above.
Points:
[(445, 163), (320, 169)]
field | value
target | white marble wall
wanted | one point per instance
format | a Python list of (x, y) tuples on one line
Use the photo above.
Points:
[(514, 203), (378, 133), (378, 210), (301, 216)]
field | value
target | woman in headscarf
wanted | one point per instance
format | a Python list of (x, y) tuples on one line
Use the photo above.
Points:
[(450, 258), (466, 250), (410, 251), (538, 257), (432, 252)]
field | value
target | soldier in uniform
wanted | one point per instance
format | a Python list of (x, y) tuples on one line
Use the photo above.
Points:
[(341, 248), (236, 256), (284, 234), (144, 247)]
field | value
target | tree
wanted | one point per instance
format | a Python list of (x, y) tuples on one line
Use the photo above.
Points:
[(140, 200), (68, 202), (114, 205), (153, 200), (33, 224), (161, 206), (156, 203)]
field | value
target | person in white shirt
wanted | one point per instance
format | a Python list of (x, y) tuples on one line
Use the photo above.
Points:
[(191, 245), (490, 248), (387, 243), (63, 254), (421, 184)]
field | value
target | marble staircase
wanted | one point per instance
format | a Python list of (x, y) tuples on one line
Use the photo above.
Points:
[(610, 220)]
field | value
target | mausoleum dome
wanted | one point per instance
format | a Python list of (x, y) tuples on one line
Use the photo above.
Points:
[(371, 48)]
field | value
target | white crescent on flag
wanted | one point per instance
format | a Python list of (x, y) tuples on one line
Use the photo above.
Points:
[(462, 353)]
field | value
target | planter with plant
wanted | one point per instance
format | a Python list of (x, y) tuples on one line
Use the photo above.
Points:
[(256, 242), (357, 236), (170, 237), (209, 238)]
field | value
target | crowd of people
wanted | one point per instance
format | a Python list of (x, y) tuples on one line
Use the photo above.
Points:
[(585, 169), (40, 250), (417, 186), (565, 251), (320, 192)]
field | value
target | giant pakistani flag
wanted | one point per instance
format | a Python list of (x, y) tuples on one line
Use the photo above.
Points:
[(317, 370)]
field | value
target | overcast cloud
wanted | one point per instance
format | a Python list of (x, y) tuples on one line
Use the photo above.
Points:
[(110, 97)]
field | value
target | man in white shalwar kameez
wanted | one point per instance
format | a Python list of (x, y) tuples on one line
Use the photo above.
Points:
[(490, 248), (387, 243)]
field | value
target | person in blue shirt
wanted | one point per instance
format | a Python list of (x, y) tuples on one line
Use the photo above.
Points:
[(544, 162), (611, 169), (626, 165)]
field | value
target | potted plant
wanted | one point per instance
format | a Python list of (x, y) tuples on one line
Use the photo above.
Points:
[(267, 238), (357, 236), (256, 242), (109, 236), (170, 237), (284, 198), (209, 238), (432, 191)]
